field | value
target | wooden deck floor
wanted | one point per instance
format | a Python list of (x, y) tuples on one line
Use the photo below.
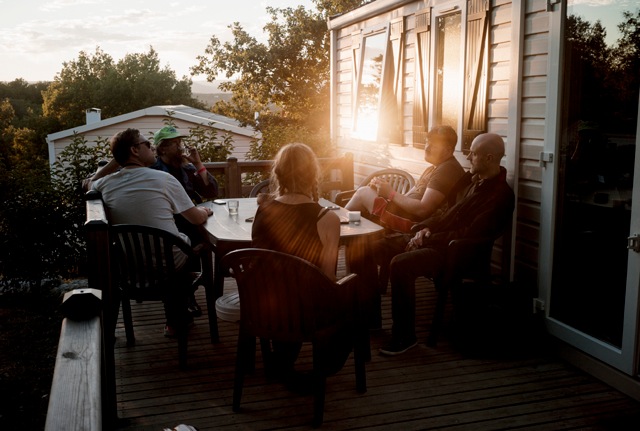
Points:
[(426, 388)]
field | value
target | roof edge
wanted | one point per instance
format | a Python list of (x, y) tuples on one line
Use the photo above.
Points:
[(159, 110)]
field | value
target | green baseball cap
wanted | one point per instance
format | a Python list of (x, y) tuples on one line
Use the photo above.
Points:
[(167, 132)]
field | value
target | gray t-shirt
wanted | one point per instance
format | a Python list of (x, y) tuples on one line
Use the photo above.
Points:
[(440, 177), (145, 197)]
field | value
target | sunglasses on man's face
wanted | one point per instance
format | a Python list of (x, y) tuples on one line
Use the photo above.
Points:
[(147, 143)]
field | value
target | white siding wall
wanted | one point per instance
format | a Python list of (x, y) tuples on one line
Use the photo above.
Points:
[(526, 146), (534, 86), (371, 156)]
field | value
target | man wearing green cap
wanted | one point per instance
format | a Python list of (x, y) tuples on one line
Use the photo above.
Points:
[(188, 169)]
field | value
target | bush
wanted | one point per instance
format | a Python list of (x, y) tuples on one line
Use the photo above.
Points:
[(41, 233)]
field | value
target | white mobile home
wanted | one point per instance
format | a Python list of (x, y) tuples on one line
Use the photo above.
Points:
[(150, 120), (533, 72)]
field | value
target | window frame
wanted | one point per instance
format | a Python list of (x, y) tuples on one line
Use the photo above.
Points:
[(391, 88), (473, 109), (442, 11)]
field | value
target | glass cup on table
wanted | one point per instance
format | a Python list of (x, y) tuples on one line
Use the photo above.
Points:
[(232, 205)]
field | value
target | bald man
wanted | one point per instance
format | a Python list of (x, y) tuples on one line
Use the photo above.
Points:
[(484, 208)]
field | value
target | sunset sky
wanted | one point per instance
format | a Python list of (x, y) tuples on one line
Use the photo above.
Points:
[(37, 36)]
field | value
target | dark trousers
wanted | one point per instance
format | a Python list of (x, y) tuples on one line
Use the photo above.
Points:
[(404, 270), (386, 249), (176, 300)]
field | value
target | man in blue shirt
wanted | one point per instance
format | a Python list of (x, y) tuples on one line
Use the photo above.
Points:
[(187, 168)]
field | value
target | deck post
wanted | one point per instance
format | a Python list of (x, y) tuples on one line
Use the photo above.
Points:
[(233, 178)]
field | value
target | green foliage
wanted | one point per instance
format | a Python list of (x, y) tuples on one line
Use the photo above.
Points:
[(78, 161), (96, 81), (25, 98), (589, 40), (34, 226), (609, 75), (289, 73), (41, 220), (42, 214), (285, 80), (335, 7), (626, 61), (277, 132), (210, 146), (22, 124), (627, 51)]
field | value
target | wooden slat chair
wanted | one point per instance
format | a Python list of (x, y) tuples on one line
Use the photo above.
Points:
[(146, 271), (287, 299), (401, 181)]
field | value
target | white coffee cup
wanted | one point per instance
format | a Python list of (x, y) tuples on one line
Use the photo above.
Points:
[(354, 216)]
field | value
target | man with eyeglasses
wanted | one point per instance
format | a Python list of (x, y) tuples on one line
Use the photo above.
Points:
[(142, 196), (135, 194), (186, 167), (484, 208)]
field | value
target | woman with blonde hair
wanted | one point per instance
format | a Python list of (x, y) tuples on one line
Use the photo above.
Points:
[(293, 221)]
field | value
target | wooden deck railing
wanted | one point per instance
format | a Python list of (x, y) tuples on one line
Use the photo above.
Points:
[(98, 398), (75, 402), (337, 174)]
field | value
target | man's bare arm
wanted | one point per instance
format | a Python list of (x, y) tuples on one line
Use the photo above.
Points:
[(107, 169), (423, 208)]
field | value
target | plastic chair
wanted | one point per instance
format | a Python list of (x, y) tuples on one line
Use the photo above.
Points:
[(287, 299), (146, 271), (261, 187), (400, 180)]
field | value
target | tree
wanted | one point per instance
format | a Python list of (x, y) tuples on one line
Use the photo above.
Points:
[(588, 40), (626, 66), (24, 97), (21, 109), (285, 80), (627, 50), (588, 57), (96, 81)]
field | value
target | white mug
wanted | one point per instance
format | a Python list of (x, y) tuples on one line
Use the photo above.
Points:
[(354, 216)]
